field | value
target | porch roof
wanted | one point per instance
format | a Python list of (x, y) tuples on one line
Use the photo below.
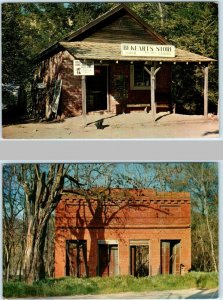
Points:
[(112, 51)]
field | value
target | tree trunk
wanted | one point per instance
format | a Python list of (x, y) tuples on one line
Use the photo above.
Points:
[(34, 263), (211, 242), (206, 209), (161, 14), (41, 200), (7, 265)]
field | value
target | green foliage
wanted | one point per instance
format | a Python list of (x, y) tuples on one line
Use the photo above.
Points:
[(201, 180), (14, 61), (189, 26), (97, 285)]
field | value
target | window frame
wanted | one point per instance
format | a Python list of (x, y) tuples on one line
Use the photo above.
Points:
[(132, 81)]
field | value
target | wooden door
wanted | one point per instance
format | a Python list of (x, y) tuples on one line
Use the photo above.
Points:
[(170, 257), (165, 257), (108, 260), (176, 259), (113, 260), (133, 260)]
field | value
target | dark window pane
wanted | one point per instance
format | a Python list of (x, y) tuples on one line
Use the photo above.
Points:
[(141, 77)]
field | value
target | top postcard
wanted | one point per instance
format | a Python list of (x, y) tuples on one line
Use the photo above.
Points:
[(108, 71)]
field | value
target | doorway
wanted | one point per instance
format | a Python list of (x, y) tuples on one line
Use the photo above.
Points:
[(76, 258), (97, 89), (107, 260), (139, 259), (170, 257)]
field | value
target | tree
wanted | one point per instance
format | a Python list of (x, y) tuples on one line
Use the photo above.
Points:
[(13, 224), (201, 180), (43, 185), (42, 188)]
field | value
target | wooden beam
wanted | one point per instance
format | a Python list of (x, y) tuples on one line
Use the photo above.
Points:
[(205, 70), (152, 72), (84, 104), (153, 98)]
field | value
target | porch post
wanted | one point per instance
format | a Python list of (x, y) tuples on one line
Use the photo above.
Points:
[(152, 73), (153, 103), (83, 88), (205, 71)]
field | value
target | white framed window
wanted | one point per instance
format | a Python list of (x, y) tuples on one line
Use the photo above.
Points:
[(139, 78)]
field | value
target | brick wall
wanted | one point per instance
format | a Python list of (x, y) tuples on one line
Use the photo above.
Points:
[(60, 65), (163, 89), (71, 88), (126, 215), (119, 96)]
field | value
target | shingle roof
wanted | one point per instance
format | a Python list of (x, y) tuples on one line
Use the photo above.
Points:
[(111, 51)]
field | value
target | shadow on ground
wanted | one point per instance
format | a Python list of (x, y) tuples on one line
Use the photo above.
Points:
[(99, 123), (202, 295), (211, 132), (160, 117)]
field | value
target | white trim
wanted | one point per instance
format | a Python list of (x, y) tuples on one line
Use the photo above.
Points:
[(139, 242), (107, 242)]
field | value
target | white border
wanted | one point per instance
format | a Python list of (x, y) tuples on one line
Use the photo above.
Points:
[(150, 150)]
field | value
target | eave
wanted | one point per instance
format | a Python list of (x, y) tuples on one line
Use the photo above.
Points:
[(112, 52)]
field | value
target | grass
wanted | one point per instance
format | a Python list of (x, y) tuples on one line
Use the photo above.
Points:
[(68, 286)]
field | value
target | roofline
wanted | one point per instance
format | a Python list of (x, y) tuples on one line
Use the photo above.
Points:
[(85, 28), (56, 46), (145, 24), (93, 23), (107, 15), (152, 190)]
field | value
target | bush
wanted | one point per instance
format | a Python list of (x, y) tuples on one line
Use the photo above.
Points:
[(97, 285)]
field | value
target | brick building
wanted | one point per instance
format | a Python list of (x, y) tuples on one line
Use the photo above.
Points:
[(123, 231), (131, 68)]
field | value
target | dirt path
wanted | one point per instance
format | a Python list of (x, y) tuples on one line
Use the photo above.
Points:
[(125, 126), (172, 294)]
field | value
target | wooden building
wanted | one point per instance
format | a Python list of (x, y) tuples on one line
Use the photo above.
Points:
[(122, 231), (128, 66)]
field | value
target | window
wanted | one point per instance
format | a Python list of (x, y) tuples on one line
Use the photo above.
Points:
[(139, 78)]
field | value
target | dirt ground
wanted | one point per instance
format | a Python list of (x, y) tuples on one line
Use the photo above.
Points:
[(136, 125), (174, 294)]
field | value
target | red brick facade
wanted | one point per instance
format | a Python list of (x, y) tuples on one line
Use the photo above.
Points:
[(138, 232)]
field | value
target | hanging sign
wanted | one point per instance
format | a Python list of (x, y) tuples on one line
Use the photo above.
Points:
[(83, 68), (147, 50)]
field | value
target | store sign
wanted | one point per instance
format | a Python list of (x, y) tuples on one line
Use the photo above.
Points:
[(83, 68), (147, 50)]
